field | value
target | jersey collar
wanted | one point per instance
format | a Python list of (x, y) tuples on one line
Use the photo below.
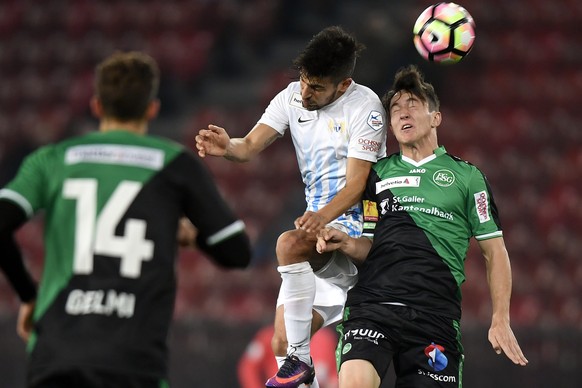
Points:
[(436, 153)]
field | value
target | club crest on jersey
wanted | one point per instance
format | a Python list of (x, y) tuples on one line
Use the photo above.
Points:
[(399, 181), (336, 127), (375, 120), (443, 178)]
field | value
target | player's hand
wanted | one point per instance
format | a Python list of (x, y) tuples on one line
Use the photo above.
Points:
[(186, 233), (503, 340), (310, 222), (330, 239), (24, 323), (212, 141)]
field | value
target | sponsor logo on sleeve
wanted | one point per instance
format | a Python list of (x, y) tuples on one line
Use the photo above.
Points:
[(369, 145), (375, 120), (482, 206), (370, 211)]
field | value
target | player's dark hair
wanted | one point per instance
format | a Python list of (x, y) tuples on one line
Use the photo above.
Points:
[(125, 83), (330, 53), (410, 79)]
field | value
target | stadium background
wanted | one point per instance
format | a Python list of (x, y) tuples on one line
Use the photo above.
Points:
[(512, 108)]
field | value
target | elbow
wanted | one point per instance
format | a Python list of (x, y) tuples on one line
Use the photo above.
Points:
[(238, 259), (233, 253)]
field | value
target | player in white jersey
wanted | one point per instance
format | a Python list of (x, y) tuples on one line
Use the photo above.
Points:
[(338, 131)]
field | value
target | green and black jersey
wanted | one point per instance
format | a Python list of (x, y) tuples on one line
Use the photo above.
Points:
[(112, 203), (422, 216)]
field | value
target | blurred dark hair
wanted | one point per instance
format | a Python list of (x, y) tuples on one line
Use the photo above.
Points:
[(330, 53), (410, 79), (125, 83)]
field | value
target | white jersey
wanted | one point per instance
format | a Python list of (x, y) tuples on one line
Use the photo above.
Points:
[(350, 127)]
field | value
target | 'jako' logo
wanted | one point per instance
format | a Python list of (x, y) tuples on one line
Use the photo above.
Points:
[(443, 178)]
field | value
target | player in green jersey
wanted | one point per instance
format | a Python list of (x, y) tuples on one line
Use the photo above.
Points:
[(422, 205), (112, 201)]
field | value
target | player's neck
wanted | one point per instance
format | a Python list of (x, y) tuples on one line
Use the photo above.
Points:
[(137, 127), (418, 152)]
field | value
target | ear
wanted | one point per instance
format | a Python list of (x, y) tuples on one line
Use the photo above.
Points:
[(436, 119), (96, 107), (343, 86), (153, 109)]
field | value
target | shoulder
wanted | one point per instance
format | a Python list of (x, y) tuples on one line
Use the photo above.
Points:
[(387, 160), (361, 92), (462, 164), (292, 88)]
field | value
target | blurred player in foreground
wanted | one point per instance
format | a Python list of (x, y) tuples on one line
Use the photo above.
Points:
[(112, 200), (338, 131), (258, 363), (406, 306)]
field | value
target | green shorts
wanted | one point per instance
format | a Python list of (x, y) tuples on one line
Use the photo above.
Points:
[(425, 348)]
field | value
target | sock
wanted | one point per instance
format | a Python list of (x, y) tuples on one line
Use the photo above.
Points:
[(280, 361), (298, 284)]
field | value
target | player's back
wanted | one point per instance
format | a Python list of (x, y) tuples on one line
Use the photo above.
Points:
[(112, 203)]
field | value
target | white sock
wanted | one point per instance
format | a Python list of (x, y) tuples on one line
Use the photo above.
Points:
[(298, 284), (280, 361)]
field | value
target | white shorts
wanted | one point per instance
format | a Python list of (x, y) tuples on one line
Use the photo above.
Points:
[(332, 283)]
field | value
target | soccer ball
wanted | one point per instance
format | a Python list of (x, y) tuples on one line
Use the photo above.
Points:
[(444, 33)]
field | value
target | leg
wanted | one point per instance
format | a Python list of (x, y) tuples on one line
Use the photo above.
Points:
[(292, 372), (358, 374), (279, 341), (294, 250)]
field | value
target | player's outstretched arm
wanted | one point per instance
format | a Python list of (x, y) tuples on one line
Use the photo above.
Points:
[(216, 142), (212, 141), (331, 239), (500, 334)]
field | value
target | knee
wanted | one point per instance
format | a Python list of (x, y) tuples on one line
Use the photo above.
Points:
[(291, 247)]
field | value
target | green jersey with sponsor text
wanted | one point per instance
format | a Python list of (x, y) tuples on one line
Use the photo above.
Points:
[(112, 203), (421, 216)]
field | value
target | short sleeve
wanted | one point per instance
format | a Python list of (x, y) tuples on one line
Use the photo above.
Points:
[(29, 188), (482, 212)]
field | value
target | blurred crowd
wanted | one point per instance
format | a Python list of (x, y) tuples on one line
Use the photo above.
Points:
[(511, 107)]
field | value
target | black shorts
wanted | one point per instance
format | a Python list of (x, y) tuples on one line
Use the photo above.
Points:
[(425, 348), (89, 378)]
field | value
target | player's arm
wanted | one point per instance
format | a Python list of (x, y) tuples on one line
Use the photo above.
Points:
[(218, 231), (356, 174), (11, 262), (331, 239), (216, 142), (499, 278)]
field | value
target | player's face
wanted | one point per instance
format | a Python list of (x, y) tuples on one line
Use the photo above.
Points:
[(410, 119), (319, 92)]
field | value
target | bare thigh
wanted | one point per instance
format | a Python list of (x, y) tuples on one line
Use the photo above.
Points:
[(358, 374)]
